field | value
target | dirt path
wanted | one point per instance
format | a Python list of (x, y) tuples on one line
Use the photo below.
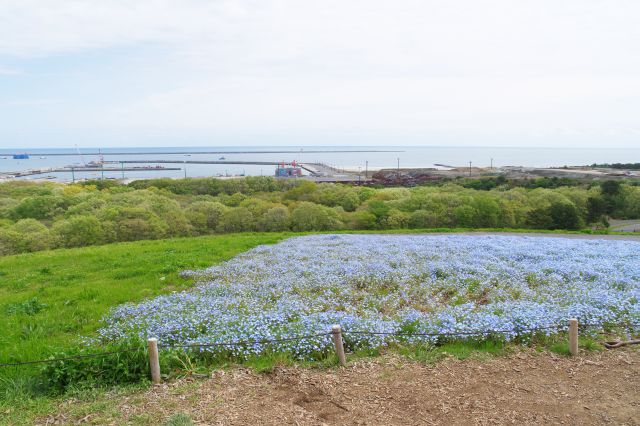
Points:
[(524, 388)]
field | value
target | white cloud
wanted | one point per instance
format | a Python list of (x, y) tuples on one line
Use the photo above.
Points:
[(379, 66)]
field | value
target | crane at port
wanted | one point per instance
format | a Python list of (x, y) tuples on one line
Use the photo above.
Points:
[(84, 163)]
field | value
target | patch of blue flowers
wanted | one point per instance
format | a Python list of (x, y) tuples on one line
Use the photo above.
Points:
[(391, 283)]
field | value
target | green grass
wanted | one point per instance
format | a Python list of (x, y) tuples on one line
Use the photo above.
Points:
[(49, 299)]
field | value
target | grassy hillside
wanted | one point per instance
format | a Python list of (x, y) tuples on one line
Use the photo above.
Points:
[(49, 298)]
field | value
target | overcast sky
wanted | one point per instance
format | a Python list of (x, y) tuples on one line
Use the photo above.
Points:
[(296, 72)]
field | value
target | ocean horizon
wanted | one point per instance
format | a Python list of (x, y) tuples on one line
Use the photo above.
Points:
[(343, 157)]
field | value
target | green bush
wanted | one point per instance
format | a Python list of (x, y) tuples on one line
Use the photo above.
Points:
[(236, 220), (275, 219), (33, 236), (40, 216), (78, 367), (313, 217), (78, 231)]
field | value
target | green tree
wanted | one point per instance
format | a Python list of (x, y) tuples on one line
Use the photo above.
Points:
[(34, 236), (596, 209), (465, 216), (487, 213), (237, 220), (397, 219), (380, 210), (37, 207), (275, 219), (313, 217), (78, 231), (423, 219), (361, 220), (9, 242), (205, 216), (565, 216)]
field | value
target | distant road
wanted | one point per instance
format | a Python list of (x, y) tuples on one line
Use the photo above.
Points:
[(549, 235), (43, 154), (625, 225)]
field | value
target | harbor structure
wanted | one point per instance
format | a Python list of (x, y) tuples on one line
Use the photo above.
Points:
[(288, 170)]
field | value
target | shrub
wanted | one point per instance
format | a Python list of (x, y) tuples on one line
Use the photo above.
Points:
[(361, 220), (129, 365), (564, 216), (34, 236), (397, 219), (423, 219), (236, 220), (9, 242), (78, 231), (39, 207), (274, 220), (205, 215), (312, 217)]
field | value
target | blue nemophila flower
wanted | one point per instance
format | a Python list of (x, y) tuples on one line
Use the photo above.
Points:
[(391, 283)]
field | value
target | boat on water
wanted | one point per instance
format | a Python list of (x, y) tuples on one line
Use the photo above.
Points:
[(4, 158), (42, 158), (221, 159)]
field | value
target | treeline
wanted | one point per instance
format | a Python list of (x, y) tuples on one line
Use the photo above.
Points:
[(49, 215), (624, 166)]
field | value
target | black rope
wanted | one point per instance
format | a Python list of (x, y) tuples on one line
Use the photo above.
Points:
[(457, 333), (309, 336), (243, 342), (42, 361), (618, 325)]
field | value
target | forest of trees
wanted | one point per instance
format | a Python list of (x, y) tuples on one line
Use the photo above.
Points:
[(40, 216)]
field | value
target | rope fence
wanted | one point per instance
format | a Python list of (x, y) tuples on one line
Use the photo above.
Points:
[(243, 342), (337, 333), (68, 358)]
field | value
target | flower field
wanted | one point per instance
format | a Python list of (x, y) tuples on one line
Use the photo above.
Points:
[(392, 283)]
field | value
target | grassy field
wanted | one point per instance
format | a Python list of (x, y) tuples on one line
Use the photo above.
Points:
[(48, 299)]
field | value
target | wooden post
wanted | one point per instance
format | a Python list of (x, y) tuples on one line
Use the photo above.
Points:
[(154, 360), (573, 337), (336, 330)]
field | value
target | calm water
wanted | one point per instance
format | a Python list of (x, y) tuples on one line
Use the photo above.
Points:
[(408, 157)]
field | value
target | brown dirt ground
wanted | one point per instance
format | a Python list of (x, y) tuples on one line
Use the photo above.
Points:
[(522, 388)]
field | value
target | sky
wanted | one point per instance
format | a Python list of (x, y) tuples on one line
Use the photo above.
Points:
[(306, 73)]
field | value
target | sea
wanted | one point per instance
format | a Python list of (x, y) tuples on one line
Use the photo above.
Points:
[(344, 157)]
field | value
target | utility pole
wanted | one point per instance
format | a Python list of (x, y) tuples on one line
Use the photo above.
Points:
[(491, 163), (122, 167), (73, 176), (366, 170), (469, 168), (185, 172), (398, 164)]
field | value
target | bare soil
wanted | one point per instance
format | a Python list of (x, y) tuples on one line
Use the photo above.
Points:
[(522, 388)]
